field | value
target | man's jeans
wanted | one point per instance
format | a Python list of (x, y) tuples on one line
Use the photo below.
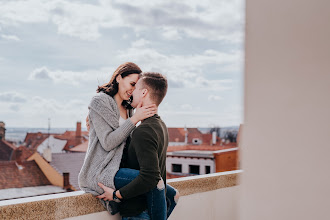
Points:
[(159, 206), (143, 216)]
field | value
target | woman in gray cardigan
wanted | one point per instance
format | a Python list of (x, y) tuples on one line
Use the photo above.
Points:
[(109, 127)]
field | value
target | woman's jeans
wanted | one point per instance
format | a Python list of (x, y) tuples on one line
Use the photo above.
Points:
[(159, 206)]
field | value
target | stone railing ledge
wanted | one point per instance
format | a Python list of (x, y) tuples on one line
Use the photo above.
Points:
[(71, 204), (39, 198)]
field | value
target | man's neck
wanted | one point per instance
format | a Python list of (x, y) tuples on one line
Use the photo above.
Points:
[(147, 102)]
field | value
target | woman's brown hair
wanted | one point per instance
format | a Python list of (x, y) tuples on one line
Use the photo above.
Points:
[(111, 88)]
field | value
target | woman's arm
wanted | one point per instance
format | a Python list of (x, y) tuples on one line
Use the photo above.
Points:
[(109, 137), (104, 121)]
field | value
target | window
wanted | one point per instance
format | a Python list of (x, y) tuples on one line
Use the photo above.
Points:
[(207, 169), (194, 169), (176, 168)]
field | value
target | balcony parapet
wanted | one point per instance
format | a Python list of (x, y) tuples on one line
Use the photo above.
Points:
[(203, 183), (66, 205)]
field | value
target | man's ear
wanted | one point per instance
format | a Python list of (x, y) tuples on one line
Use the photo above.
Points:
[(145, 92)]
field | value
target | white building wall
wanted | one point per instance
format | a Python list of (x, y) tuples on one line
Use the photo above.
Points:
[(176, 143), (56, 145), (190, 161)]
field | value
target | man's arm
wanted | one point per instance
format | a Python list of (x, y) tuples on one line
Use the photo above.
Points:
[(144, 141)]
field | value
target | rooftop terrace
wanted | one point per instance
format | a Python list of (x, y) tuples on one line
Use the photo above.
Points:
[(211, 196)]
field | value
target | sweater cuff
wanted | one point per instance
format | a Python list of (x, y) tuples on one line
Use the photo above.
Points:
[(128, 126)]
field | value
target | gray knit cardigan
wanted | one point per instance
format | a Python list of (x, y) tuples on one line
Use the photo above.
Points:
[(105, 147)]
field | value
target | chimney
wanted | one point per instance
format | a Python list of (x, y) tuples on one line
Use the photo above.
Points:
[(19, 159), (78, 129), (19, 156), (2, 130), (214, 138), (66, 182), (239, 135), (186, 135)]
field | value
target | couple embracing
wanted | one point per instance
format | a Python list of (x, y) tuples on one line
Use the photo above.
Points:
[(125, 165)]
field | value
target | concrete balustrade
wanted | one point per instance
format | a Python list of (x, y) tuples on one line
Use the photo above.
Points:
[(208, 196)]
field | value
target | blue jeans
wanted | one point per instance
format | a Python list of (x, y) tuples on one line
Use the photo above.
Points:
[(159, 206), (171, 203), (142, 216)]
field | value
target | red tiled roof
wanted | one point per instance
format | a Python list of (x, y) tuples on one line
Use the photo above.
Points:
[(6, 150), (9, 144), (33, 140), (80, 148), (26, 153), (194, 133), (71, 141), (85, 133), (200, 147), (207, 139), (71, 134), (30, 175), (176, 134)]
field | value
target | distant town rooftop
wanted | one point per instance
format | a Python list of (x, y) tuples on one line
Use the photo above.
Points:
[(192, 153), (198, 153)]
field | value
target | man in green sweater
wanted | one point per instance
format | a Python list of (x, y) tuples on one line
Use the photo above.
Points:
[(146, 152)]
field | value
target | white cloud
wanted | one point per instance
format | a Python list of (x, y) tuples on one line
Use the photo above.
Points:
[(12, 97), (39, 109), (195, 72), (10, 37), (74, 19), (190, 113), (186, 70), (15, 12), (140, 43), (171, 33), (199, 118), (40, 73), (186, 107), (68, 77), (213, 20), (79, 19), (15, 107), (183, 75), (214, 98), (201, 82), (56, 107)]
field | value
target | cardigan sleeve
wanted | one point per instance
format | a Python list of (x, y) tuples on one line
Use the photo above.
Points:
[(103, 120)]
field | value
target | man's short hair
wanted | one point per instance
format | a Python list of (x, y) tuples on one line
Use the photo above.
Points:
[(156, 84)]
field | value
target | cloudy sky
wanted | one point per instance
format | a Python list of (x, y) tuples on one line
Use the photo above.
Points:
[(54, 54)]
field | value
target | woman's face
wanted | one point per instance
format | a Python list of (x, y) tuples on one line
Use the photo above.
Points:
[(126, 85)]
